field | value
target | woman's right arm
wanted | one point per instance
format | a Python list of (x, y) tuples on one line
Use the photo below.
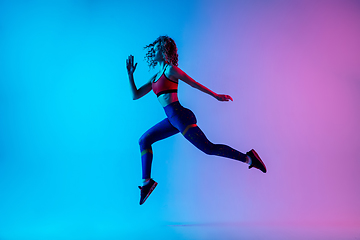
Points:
[(143, 90)]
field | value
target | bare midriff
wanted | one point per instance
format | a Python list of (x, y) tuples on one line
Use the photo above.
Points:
[(167, 98)]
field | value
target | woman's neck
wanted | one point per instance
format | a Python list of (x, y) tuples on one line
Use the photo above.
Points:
[(161, 65)]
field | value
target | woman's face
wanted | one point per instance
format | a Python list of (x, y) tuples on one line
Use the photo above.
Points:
[(158, 53)]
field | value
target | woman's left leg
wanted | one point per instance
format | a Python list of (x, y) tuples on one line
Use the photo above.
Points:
[(160, 131)]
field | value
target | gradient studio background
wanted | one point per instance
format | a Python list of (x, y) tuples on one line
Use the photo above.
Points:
[(70, 162)]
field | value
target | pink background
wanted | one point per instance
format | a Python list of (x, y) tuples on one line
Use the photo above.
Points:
[(293, 71)]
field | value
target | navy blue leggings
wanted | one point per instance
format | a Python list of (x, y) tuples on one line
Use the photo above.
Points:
[(180, 119)]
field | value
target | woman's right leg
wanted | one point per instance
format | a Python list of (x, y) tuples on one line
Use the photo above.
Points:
[(194, 135), (185, 120), (162, 130)]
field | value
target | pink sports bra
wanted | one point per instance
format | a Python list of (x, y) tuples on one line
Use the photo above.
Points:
[(164, 85)]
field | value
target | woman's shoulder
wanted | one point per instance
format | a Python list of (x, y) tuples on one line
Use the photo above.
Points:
[(173, 72), (172, 67)]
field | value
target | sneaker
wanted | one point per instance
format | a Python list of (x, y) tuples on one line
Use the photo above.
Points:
[(147, 190), (256, 161)]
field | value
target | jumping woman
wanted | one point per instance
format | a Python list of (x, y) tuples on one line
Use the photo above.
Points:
[(163, 52)]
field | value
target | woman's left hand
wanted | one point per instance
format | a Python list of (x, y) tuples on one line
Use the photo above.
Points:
[(222, 97)]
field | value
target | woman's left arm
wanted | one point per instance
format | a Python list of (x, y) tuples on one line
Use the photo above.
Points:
[(179, 74)]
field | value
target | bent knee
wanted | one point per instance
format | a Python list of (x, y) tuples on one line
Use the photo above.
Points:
[(143, 140)]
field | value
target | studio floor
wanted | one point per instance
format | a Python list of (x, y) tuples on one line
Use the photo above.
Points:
[(146, 230), (236, 231)]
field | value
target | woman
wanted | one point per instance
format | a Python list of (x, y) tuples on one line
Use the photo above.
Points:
[(163, 52)]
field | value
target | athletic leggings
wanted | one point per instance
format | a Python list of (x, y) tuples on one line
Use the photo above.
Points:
[(180, 119)]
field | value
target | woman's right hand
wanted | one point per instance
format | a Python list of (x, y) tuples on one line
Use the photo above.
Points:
[(130, 64)]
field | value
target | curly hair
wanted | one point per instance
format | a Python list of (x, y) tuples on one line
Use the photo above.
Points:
[(168, 48)]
